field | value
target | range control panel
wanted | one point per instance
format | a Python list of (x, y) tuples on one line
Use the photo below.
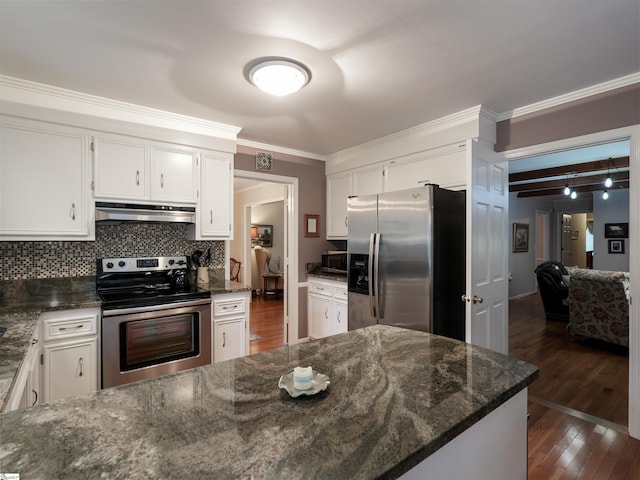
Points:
[(143, 264)]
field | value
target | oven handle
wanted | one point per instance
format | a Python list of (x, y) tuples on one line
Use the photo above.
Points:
[(155, 308)]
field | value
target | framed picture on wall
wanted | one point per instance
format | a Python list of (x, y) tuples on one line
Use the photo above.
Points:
[(616, 230), (520, 237), (616, 246), (262, 235)]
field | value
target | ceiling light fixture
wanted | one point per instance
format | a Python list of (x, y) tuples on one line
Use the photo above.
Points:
[(574, 192), (608, 183), (279, 77), (567, 190), (605, 195)]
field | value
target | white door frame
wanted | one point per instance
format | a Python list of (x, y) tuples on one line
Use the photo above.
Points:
[(291, 247), (633, 135)]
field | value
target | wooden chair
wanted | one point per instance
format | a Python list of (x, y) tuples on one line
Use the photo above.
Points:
[(234, 267)]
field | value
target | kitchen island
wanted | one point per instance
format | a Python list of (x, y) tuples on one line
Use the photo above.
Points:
[(396, 399)]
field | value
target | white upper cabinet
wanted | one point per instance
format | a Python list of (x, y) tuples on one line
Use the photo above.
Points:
[(368, 181), (447, 171), (121, 168), (128, 168), (339, 187), (44, 182), (174, 174), (215, 209)]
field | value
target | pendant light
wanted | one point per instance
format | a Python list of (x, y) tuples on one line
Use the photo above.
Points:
[(605, 195), (567, 190), (608, 182), (574, 192)]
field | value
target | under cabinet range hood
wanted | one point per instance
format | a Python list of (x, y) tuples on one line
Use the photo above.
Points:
[(108, 212)]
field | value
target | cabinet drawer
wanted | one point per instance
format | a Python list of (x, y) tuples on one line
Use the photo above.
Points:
[(319, 288), (59, 326), (228, 307), (340, 293)]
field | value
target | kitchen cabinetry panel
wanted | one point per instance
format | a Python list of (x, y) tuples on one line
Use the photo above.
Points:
[(447, 171), (121, 168), (27, 388), (44, 182), (216, 198), (70, 369), (70, 353), (130, 169), (231, 323), (174, 175), (368, 181), (327, 307), (339, 187)]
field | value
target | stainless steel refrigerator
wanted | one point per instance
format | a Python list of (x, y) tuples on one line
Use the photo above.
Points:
[(406, 257)]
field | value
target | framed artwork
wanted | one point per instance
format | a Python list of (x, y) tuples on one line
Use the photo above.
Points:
[(616, 246), (520, 237), (312, 225), (262, 235), (616, 230)]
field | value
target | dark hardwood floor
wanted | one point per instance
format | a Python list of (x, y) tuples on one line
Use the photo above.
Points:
[(578, 406), (575, 372), (267, 321)]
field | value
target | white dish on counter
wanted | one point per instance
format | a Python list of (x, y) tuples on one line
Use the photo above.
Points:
[(319, 383)]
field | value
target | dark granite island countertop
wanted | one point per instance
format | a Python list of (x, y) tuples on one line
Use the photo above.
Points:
[(396, 396)]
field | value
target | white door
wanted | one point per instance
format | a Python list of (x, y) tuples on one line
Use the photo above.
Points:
[(487, 290)]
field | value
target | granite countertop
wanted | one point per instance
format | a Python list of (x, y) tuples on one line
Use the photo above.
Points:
[(22, 301), (328, 276), (396, 396)]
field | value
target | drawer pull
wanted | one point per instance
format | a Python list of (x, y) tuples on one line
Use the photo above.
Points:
[(80, 364), (64, 329), (230, 308), (224, 339)]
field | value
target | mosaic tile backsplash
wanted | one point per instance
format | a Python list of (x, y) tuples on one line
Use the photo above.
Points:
[(26, 260)]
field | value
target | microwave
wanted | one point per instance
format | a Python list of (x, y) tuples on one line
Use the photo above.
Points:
[(334, 261)]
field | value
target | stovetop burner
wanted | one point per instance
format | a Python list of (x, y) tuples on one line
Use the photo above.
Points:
[(138, 282)]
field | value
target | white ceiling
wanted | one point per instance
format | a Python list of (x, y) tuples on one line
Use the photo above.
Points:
[(378, 67)]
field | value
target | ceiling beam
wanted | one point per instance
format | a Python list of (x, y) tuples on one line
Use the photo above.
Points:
[(579, 189), (578, 181), (597, 165)]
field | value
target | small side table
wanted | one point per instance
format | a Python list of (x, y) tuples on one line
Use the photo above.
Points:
[(276, 283)]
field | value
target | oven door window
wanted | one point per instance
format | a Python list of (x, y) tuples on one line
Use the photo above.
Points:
[(158, 340)]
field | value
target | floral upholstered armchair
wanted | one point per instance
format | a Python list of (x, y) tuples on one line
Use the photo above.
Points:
[(599, 305)]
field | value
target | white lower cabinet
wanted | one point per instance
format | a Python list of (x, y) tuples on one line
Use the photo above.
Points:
[(70, 368), (231, 322), (27, 388), (70, 353), (327, 307)]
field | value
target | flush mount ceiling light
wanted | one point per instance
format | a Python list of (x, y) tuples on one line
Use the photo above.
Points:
[(279, 77)]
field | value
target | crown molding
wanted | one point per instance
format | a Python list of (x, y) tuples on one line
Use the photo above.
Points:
[(47, 96), (443, 123), (570, 97), (274, 148)]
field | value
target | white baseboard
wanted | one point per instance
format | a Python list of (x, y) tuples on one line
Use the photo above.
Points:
[(522, 295)]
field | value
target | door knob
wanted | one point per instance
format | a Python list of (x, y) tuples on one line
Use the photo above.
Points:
[(474, 299)]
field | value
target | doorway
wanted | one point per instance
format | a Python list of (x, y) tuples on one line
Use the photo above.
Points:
[(254, 189), (632, 136)]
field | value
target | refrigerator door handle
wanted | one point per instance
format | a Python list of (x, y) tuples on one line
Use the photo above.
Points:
[(372, 292), (376, 276)]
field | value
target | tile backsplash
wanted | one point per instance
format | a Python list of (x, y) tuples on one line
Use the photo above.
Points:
[(26, 260)]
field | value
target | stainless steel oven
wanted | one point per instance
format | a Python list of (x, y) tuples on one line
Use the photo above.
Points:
[(154, 322), (145, 342)]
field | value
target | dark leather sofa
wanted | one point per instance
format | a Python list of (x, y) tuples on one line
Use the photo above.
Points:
[(553, 290)]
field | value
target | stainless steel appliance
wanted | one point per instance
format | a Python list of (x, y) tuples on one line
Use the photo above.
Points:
[(111, 212), (334, 261), (407, 260), (154, 320)]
